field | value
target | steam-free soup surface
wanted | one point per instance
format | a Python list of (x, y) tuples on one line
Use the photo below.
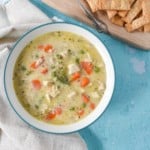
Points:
[(59, 77)]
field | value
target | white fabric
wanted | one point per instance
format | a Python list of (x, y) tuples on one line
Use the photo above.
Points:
[(16, 17)]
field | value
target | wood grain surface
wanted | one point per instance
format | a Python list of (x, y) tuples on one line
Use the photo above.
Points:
[(71, 8)]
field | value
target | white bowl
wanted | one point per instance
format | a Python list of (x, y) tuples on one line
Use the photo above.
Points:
[(8, 76)]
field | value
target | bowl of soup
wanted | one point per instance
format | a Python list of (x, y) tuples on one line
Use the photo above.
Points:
[(59, 77)]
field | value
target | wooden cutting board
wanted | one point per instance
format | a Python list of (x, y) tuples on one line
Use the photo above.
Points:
[(71, 8)]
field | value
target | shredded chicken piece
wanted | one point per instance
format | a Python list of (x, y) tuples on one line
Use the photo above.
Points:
[(94, 95), (43, 108), (64, 54), (90, 84), (71, 94), (54, 91), (88, 58), (39, 61), (101, 86), (73, 68), (47, 83), (48, 97), (51, 60), (82, 90)]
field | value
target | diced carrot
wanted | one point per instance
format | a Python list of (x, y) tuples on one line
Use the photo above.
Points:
[(48, 48), (75, 76), (58, 110), (33, 65), (51, 115), (87, 66), (36, 84), (37, 63), (41, 47), (85, 98), (44, 71), (84, 81), (80, 112), (92, 105)]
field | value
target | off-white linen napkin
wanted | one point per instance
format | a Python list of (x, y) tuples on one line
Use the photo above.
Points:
[(16, 17)]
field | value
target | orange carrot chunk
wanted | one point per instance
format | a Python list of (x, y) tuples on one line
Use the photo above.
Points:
[(51, 115), (80, 112), (84, 81), (37, 63), (58, 110), (75, 76), (36, 84), (44, 71), (87, 66), (33, 65), (85, 98), (92, 105), (48, 48), (41, 47)]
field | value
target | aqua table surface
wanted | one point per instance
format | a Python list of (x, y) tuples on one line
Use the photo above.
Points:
[(125, 125)]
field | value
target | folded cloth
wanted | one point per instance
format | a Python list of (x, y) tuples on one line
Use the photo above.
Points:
[(19, 16)]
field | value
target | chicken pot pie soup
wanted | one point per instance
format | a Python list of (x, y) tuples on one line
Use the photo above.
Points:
[(59, 77)]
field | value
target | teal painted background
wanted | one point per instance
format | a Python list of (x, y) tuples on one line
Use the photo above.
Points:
[(125, 125)]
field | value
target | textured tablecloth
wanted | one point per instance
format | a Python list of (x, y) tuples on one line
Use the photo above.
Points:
[(125, 125)]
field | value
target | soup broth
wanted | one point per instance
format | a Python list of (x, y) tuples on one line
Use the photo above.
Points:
[(59, 77)]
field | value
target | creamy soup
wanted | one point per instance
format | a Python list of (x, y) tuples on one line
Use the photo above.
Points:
[(59, 77)]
